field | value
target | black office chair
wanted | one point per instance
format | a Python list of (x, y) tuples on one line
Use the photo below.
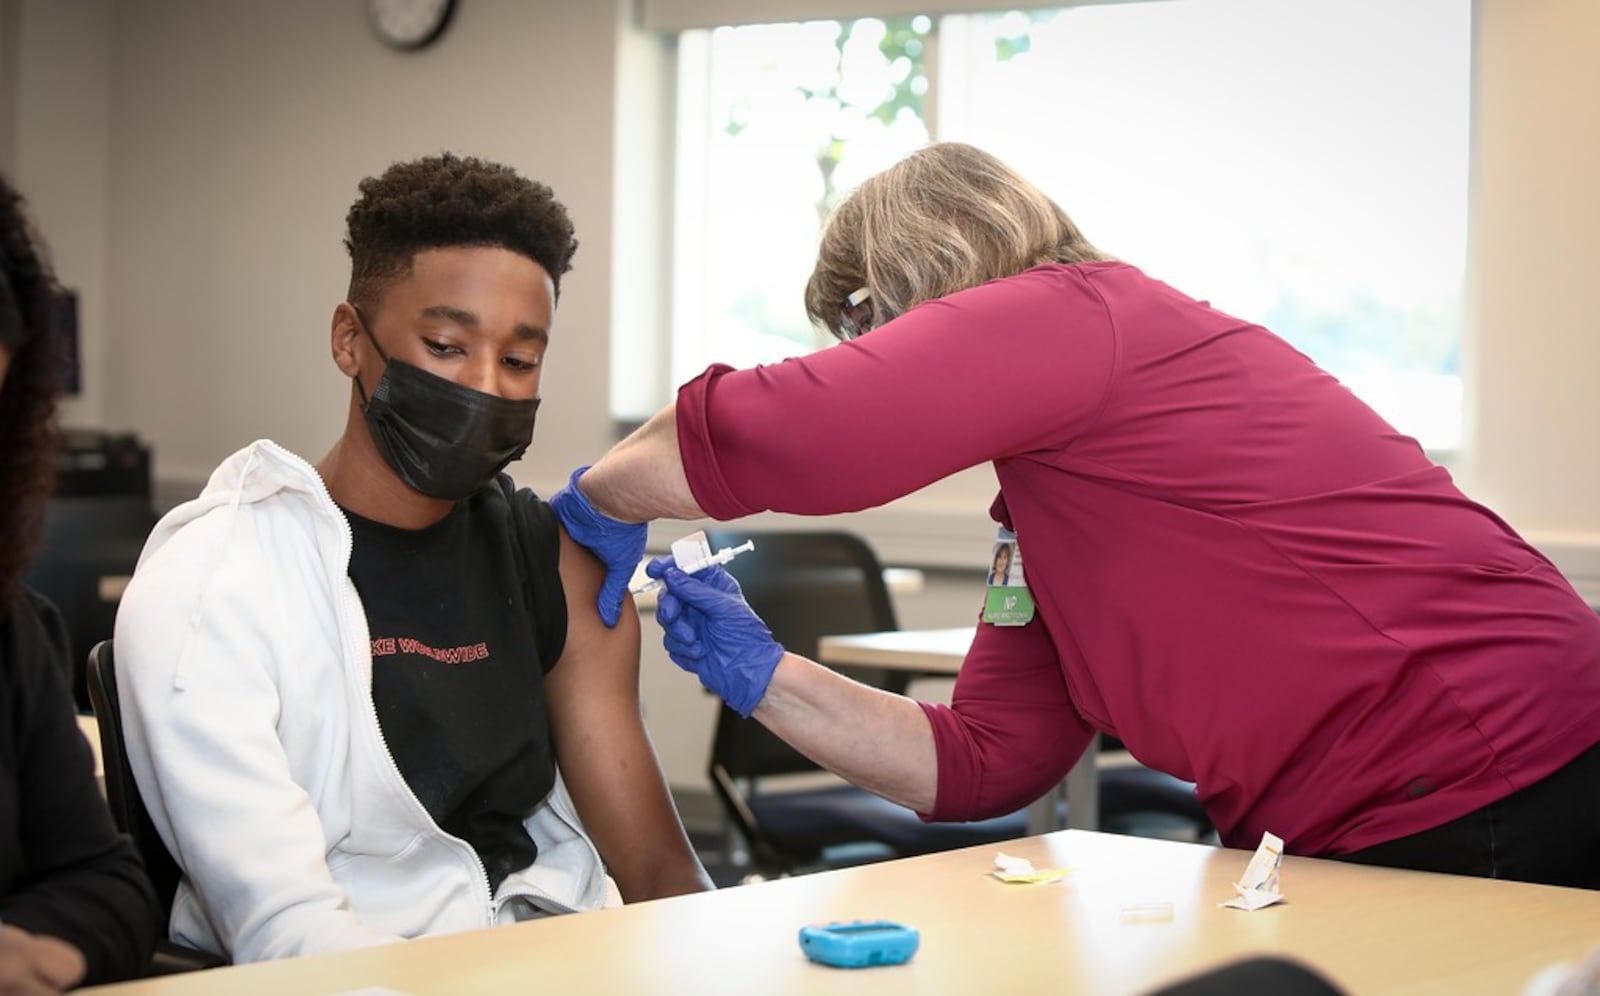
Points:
[(129, 814), (806, 585), (1138, 800), (1259, 974)]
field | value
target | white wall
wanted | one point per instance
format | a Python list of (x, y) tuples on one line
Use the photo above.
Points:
[(61, 160), (10, 49), (1534, 263), (192, 160), (1533, 347), (239, 132)]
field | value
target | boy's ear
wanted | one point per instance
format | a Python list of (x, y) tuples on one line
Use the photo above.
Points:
[(346, 330)]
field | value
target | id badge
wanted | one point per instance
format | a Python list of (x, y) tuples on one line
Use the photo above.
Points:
[(1006, 599)]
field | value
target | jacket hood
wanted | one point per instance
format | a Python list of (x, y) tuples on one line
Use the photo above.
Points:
[(257, 472)]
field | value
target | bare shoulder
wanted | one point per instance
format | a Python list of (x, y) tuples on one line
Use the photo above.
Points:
[(580, 569), (581, 575)]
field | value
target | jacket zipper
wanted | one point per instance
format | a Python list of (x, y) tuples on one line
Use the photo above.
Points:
[(341, 607)]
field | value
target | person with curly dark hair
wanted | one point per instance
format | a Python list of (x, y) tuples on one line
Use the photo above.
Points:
[(371, 698), (75, 905)]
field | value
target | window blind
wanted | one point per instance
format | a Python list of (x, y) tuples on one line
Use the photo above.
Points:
[(681, 15)]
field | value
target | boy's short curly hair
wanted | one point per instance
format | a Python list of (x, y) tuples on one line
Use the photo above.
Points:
[(451, 201)]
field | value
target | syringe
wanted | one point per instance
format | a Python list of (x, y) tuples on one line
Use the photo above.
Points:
[(722, 556)]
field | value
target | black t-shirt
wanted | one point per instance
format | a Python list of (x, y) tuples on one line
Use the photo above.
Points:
[(466, 616)]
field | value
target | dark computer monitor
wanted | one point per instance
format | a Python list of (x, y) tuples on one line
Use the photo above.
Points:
[(68, 345), (89, 548)]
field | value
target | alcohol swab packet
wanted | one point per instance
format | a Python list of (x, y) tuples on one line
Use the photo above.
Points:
[(1258, 886), (1020, 871), (693, 553)]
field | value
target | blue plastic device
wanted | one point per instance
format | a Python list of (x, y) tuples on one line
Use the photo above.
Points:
[(859, 943)]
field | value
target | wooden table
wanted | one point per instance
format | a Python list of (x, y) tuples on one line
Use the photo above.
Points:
[(1370, 930), (941, 651), (935, 651), (91, 732)]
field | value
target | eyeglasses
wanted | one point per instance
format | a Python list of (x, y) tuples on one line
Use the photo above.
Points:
[(855, 315)]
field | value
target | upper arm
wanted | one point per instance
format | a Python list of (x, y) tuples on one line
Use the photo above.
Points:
[(1011, 730), (602, 747)]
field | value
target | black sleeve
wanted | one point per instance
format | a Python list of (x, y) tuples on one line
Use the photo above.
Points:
[(71, 875), (539, 536)]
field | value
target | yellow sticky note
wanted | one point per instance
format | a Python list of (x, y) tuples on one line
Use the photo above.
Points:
[(1020, 871)]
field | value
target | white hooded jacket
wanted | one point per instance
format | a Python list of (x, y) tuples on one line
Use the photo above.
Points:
[(245, 673)]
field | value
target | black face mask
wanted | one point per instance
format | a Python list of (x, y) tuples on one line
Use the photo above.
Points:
[(443, 439)]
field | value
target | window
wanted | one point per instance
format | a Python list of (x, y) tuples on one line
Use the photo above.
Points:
[(1300, 165), (776, 123)]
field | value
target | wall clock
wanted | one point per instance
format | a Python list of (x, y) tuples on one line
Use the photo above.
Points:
[(409, 25)]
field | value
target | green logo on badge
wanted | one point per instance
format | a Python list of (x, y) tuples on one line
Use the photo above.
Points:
[(1008, 607)]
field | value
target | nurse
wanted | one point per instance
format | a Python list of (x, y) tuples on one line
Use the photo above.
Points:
[(1236, 566)]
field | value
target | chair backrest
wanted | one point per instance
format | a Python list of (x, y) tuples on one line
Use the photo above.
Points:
[(804, 585), (122, 793)]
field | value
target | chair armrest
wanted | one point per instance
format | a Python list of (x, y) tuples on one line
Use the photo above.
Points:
[(171, 958)]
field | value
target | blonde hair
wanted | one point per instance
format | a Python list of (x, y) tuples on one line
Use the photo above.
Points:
[(948, 217)]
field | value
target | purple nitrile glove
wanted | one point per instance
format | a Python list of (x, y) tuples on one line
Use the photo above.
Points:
[(619, 545), (711, 631)]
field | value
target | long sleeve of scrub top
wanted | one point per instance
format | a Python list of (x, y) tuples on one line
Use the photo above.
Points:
[(987, 374)]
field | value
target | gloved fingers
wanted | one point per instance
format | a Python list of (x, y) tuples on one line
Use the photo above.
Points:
[(609, 601), (669, 609), (686, 645), (687, 654), (681, 630), (693, 589), (715, 577), (658, 565)]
